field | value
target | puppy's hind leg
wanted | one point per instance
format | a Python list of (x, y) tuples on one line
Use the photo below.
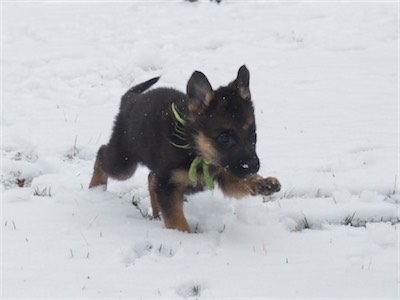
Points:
[(99, 176), (111, 162)]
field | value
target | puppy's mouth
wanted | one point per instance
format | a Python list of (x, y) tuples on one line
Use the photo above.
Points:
[(242, 170)]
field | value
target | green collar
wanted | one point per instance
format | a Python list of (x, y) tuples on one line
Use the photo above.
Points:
[(177, 116), (180, 124), (198, 161)]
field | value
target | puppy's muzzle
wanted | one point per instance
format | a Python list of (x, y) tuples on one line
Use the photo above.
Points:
[(246, 167)]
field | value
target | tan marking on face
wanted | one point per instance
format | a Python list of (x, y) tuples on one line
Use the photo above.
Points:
[(204, 145)]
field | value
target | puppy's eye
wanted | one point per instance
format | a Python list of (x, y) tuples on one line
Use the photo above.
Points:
[(226, 139)]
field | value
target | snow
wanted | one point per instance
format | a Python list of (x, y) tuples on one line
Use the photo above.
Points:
[(324, 81)]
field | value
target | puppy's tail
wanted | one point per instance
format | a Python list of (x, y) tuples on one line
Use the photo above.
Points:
[(137, 89), (140, 88)]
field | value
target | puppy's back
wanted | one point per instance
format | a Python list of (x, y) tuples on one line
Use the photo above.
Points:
[(146, 124)]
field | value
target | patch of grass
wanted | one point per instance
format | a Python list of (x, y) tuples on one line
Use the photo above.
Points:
[(306, 223), (319, 194), (348, 220), (74, 152), (15, 178), (392, 195), (288, 195), (195, 291), (303, 224), (45, 192), (136, 203)]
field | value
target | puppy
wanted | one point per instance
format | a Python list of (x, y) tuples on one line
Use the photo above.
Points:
[(188, 141)]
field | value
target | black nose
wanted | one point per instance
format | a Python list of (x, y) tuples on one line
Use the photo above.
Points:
[(255, 165), (251, 166)]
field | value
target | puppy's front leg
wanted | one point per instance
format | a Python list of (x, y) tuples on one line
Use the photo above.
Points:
[(253, 185), (152, 179), (170, 200)]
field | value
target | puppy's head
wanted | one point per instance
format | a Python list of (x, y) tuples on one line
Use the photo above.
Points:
[(223, 124)]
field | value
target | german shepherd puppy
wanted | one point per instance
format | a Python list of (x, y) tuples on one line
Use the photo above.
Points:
[(188, 141)]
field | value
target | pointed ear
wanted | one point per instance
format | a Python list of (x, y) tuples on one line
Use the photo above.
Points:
[(241, 83), (200, 92)]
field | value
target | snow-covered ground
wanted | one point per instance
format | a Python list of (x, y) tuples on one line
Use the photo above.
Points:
[(324, 80)]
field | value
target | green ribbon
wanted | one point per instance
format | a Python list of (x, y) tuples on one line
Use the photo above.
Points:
[(177, 115), (198, 162), (179, 128)]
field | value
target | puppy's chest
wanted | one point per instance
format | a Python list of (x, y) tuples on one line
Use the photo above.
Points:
[(194, 180)]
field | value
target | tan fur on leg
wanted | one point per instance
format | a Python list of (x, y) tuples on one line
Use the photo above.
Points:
[(173, 216), (153, 196), (252, 185), (99, 176)]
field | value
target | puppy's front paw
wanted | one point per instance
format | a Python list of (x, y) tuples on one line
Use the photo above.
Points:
[(265, 186)]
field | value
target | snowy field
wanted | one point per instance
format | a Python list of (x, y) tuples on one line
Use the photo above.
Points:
[(324, 80)]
